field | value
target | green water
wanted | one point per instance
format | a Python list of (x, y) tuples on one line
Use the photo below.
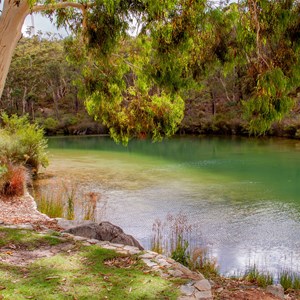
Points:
[(242, 196)]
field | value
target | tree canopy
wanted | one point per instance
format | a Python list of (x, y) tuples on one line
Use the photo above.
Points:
[(136, 84)]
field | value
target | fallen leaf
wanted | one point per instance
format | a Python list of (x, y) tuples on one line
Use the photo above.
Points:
[(2, 287)]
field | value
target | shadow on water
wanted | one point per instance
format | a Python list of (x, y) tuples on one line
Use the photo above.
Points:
[(242, 195)]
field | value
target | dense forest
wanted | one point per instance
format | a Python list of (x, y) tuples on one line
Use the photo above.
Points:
[(226, 69)]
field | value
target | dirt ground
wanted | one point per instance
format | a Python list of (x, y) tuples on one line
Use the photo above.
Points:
[(237, 289)]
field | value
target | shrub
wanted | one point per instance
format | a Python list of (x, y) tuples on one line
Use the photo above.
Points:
[(50, 125), (13, 180), (22, 143)]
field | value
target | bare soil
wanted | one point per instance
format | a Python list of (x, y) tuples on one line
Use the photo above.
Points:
[(23, 210), (239, 289)]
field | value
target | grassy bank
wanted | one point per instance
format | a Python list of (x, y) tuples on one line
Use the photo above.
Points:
[(74, 272)]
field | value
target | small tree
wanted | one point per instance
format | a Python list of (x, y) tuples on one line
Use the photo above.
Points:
[(22, 143)]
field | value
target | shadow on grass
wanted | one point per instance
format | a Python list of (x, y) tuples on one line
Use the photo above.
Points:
[(82, 275)]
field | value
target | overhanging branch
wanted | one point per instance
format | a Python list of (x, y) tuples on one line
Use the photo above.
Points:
[(60, 5)]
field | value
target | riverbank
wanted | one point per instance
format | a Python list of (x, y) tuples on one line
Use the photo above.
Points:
[(13, 256), (49, 261)]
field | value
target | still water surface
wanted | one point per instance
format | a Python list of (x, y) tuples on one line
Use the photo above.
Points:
[(241, 195)]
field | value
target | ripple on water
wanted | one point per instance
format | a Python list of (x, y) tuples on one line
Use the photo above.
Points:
[(235, 196)]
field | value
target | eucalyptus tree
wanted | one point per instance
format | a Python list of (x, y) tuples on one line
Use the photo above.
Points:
[(136, 87), (38, 73), (100, 26), (268, 44), (94, 17)]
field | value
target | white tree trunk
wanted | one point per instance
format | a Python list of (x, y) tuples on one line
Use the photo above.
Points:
[(11, 22)]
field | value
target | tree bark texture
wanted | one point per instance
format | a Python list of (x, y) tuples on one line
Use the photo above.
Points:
[(11, 22)]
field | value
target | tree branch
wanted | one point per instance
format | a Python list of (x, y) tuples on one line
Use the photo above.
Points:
[(59, 5)]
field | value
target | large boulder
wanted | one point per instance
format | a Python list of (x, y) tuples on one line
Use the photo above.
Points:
[(105, 231)]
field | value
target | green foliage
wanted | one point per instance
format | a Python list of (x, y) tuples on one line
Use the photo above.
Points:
[(260, 278), (53, 207), (119, 94), (137, 85), (267, 35), (180, 253), (50, 124), (39, 78), (22, 143), (289, 280), (172, 237), (270, 102)]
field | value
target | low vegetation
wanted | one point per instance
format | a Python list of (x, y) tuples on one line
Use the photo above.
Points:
[(62, 199), (83, 273), (262, 279), (289, 280), (22, 152), (26, 239), (173, 238)]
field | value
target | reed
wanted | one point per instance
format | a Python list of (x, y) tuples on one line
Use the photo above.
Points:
[(90, 206), (57, 200), (262, 279), (289, 280), (173, 238), (51, 205)]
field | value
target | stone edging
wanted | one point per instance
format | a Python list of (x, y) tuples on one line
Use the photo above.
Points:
[(198, 288)]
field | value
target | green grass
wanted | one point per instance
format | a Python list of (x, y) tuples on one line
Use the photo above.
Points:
[(89, 273), (260, 278), (26, 239), (289, 280), (51, 206)]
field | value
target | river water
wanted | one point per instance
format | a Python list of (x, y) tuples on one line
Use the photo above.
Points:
[(242, 196)]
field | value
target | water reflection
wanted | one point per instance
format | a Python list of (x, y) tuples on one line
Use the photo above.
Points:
[(242, 196)]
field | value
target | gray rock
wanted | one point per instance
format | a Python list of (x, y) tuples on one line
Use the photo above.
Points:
[(105, 231), (93, 241), (79, 238), (204, 295), (187, 290), (147, 255), (175, 273), (149, 263), (202, 285), (187, 272), (276, 290)]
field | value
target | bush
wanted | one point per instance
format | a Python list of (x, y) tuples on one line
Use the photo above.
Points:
[(22, 143), (13, 180)]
